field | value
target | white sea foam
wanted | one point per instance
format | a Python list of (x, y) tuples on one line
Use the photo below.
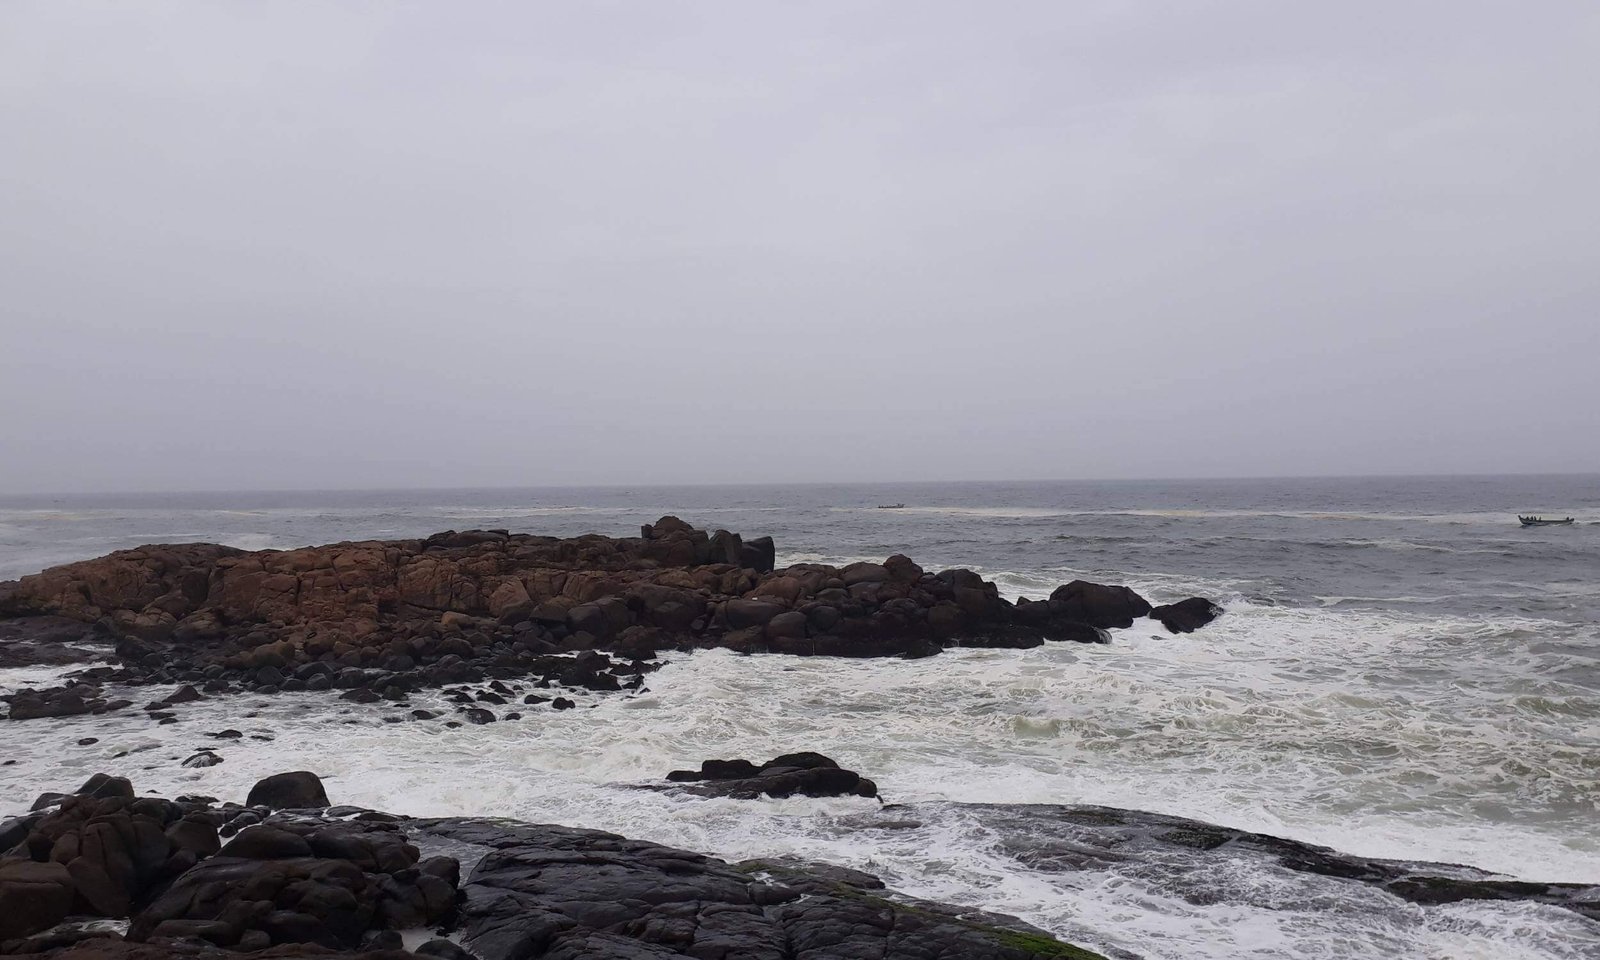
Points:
[(1282, 720), (253, 541)]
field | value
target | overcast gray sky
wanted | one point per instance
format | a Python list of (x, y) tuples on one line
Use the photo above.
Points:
[(314, 245)]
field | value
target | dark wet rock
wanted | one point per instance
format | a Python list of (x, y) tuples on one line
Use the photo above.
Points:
[(478, 715), (14, 831), (793, 774), (1097, 604), (71, 944), (33, 896), (185, 694), (1183, 855), (444, 950), (115, 849), (52, 641), (341, 885), (70, 700), (758, 554), (101, 785), (296, 790), (1186, 616), (205, 758), (266, 843), (226, 735), (543, 891)]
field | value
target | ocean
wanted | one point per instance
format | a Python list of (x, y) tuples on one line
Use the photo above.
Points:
[(1403, 671)]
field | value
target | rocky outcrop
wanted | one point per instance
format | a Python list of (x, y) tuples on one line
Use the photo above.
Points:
[(102, 852), (344, 882), (1183, 856), (793, 774), (543, 891), (297, 619), (1186, 616), (324, 883)]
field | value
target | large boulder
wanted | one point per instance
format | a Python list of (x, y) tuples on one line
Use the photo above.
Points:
[(1186, 616), (297, 790), (1097, 604), (462, 605), (743, 613), (759, 554), (33, 896)]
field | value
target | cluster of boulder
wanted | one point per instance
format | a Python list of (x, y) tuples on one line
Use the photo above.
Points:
[(501, 679), (163, 865), (459, 607), (299, 879)]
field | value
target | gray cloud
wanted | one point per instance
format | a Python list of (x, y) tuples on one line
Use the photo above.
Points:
[(310, 245)]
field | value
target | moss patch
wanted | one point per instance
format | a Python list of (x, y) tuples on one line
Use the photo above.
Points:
[(1035, 943), (1043, 946)]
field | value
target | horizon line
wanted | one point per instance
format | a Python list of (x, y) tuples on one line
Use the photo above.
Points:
[(240, 491)]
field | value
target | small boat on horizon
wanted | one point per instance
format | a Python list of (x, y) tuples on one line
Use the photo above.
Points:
[(891, 506), (1542, 522)]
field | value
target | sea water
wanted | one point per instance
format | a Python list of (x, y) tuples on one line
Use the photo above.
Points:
[(1403, 671)]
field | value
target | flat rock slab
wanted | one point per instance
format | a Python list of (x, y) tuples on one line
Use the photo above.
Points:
[(548, 891)]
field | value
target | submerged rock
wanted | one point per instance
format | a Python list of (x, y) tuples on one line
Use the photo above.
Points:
[(71, 700)]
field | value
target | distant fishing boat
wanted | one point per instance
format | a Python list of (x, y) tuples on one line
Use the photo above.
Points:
[(891, 506), (1542, 522)]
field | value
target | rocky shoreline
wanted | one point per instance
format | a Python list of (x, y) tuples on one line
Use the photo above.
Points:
[(287, 875), (383, 619), (496, 625), (104, 873)]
